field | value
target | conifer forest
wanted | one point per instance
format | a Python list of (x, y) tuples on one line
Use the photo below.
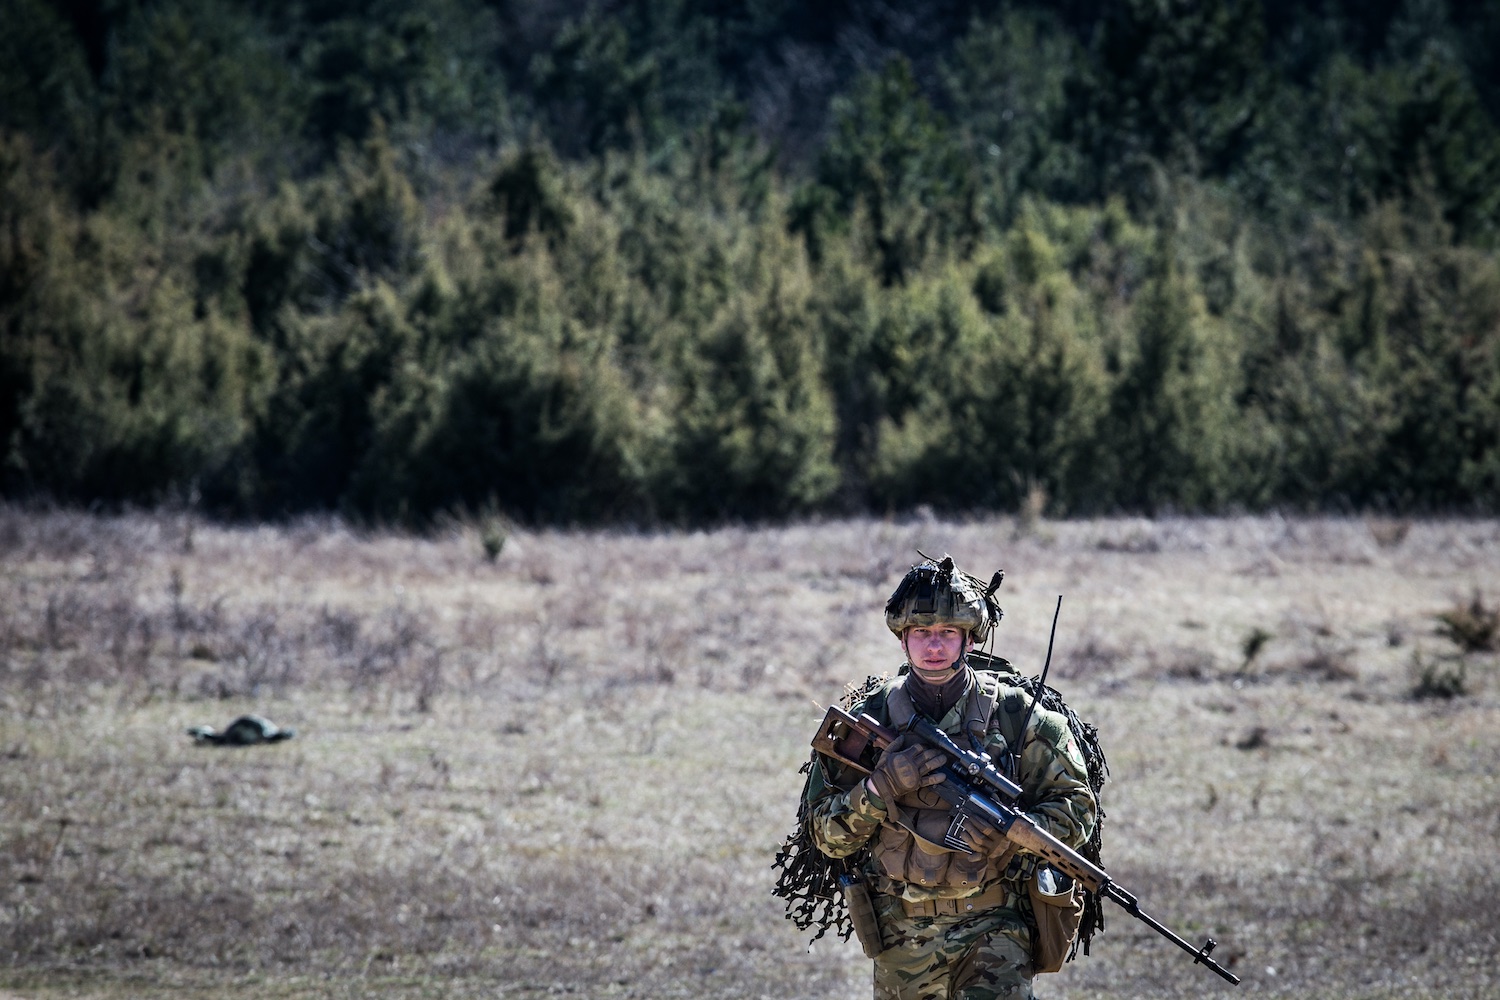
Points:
[(676, 262)]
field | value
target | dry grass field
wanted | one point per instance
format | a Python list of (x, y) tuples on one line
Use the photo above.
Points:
[(565, 770)]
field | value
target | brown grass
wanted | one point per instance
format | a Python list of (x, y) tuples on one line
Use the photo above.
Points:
[(564, 769)]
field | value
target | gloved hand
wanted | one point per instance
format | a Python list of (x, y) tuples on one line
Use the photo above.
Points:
[(985, 838), (903, 769)]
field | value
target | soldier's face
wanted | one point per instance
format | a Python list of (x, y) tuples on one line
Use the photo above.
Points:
[(933, 650)]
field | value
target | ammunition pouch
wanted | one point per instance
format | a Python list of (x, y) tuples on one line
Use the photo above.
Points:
[(862, 914), (911, 844), (1057, 909), (909, 848)]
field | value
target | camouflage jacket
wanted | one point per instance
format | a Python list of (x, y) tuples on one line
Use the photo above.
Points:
[(843, 818)]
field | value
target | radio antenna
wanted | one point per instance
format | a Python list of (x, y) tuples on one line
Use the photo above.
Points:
[(1015, 751)]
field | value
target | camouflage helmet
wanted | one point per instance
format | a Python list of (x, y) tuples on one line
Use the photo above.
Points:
[(935, 592)]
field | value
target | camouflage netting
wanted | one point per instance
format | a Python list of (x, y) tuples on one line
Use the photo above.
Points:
[(809, 878)]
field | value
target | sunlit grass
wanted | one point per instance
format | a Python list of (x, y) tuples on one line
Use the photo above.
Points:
[(565, 770)]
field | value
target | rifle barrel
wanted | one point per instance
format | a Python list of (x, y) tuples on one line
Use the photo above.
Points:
[(1200, 955)]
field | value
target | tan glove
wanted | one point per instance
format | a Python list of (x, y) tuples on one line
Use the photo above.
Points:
[(904, 769), (986, 838)]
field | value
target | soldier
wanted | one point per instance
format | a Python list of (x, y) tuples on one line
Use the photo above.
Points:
[(952, 925)]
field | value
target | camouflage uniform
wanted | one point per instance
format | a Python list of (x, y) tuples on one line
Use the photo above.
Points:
[(954, 926)]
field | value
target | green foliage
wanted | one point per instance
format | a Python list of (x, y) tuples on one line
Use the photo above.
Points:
[(531, 419), (846, 305), (204, 70), (1255, 641), (1442, 307), (1169, 424), (527, 193), (596, 92), (492, 536), (125, 385), (45, 87), (1441, 132), (1006, 82), (420, 67), (320, 421), (1054, 380), (523, 408), (1177, 82), (895, 159), (1009, 389), (753, 427), (662, 260), (314, 244)]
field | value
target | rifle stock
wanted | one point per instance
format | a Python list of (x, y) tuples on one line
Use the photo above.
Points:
[(858, 742)]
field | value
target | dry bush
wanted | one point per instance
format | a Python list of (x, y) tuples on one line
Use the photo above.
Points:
[(1440, 677), (1136, 541), (1184, 663), (1251, 646), (1033, 509), (1328, 663), (145, 625), (1389, 533), (1095, 657), (1471, 626)]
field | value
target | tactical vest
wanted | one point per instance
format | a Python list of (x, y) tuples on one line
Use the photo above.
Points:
[(909, 846)]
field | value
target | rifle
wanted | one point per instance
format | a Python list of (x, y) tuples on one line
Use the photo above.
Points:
[(976, 788)]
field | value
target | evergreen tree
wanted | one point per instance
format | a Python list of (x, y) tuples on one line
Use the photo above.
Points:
[(895, 159), (1168, 423)]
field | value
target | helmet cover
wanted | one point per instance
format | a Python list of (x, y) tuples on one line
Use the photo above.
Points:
[(937, 593)]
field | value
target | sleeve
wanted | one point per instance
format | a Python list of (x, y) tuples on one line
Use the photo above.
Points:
[(839, 822), (1054, 779)]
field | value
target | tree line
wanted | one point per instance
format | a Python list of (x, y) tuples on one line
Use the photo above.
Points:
[(676, 261)]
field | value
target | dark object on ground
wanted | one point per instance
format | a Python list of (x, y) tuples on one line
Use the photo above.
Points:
[(245, 731), (1473, 628)]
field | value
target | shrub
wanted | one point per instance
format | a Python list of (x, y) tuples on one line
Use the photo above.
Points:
[(1252, 644), (119, 383), (1442, 678), (752, 430), (1168, 435), (1473, 627)]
